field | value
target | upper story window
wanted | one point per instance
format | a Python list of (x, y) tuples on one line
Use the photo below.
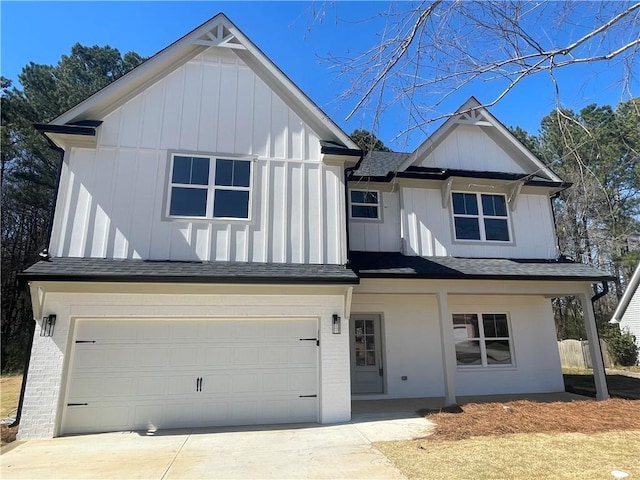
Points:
[(209, 187), (365, 204), (482, 339), (480, 216)]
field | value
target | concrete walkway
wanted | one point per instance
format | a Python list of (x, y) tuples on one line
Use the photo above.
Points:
[(300, 451)]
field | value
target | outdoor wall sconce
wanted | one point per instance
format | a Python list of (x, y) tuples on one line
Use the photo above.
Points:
[(337, 326), (48, 323)]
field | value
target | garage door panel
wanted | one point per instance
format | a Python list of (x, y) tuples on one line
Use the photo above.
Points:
[(142, 373), (303, 356), (152, 357), (147, 416), (274, 382), (151, 385), (90, 387), (216, 384), (183, 356), (218, 357)]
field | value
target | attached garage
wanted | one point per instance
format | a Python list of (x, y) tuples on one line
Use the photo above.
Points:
[(156, 373)]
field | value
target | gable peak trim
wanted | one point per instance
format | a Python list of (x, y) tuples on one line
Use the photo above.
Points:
[(220, 36)]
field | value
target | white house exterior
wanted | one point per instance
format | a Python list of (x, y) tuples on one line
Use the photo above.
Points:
[(627, 314), (223, 254)]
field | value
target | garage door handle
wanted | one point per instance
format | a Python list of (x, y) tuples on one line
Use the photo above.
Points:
[(77, 404), (308, 396), (199, 384)]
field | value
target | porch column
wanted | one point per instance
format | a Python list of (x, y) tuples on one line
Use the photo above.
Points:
[(448, 346), (599, 377)]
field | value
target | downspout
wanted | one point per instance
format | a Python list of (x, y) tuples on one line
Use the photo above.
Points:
[(45, 254)]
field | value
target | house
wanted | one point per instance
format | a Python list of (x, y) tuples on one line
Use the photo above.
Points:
[(627, 314), (223, 254)]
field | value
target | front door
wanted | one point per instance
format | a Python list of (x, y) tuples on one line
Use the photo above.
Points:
[(366, 354)]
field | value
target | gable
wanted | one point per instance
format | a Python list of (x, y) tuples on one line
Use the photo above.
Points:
[(212, 103), (475, 140), (216, 34), (470, 147)]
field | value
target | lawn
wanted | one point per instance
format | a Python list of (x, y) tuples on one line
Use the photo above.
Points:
[(521, 456), (10, 393), (9, 397), (525, 440)]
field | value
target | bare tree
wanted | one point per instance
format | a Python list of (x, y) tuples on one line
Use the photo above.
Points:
[(432, 50)]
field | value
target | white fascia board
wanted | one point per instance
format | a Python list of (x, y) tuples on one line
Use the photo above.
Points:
[(431, 142)]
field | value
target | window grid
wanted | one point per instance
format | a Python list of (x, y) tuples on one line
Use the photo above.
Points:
[(480, 215), (482, 338), (366, 194), (211, 188)]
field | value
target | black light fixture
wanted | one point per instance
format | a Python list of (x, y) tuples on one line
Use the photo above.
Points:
[(48, 323), (337, 325)]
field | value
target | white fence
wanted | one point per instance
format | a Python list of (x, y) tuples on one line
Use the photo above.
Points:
[(575, 354)]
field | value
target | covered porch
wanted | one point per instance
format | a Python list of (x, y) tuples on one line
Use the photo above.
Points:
[(427, 351)]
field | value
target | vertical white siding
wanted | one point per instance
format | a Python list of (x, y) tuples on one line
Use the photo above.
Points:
[(468, 147), (378, 236), (112, 198), (631, 319), (427, 228)]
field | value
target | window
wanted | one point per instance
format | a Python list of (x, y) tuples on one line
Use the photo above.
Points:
[(480, 216), (365, 204), (209, 187), (484, 343)]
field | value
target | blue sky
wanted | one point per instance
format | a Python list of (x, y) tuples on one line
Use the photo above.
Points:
[(292, 34)]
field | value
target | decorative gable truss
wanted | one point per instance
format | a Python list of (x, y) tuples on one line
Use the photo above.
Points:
[(220, 36)]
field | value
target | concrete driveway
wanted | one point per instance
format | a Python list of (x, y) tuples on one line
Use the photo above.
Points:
[(294, 451)]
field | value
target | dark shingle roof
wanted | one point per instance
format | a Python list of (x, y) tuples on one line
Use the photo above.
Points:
[(109, 270), (380, 164), (391, 264)]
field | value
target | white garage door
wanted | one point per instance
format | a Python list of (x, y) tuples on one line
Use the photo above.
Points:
[(151, 374)]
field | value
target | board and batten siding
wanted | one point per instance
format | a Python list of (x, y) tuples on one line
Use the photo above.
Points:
[(630, 321), (378, 235), (112, 198), (427, 228), (470, 147)]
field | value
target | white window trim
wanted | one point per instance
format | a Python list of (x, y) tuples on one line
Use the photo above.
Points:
[(378, 205), (211, 187), (483, 345), (481, 217)]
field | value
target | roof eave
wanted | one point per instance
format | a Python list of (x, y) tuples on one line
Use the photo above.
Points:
[(235, 279)]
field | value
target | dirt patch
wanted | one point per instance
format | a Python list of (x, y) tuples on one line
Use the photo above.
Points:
[(523, 416), (8, 435)]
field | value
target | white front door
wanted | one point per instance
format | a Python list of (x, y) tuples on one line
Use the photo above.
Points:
[(366, 354), (170, 373)]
